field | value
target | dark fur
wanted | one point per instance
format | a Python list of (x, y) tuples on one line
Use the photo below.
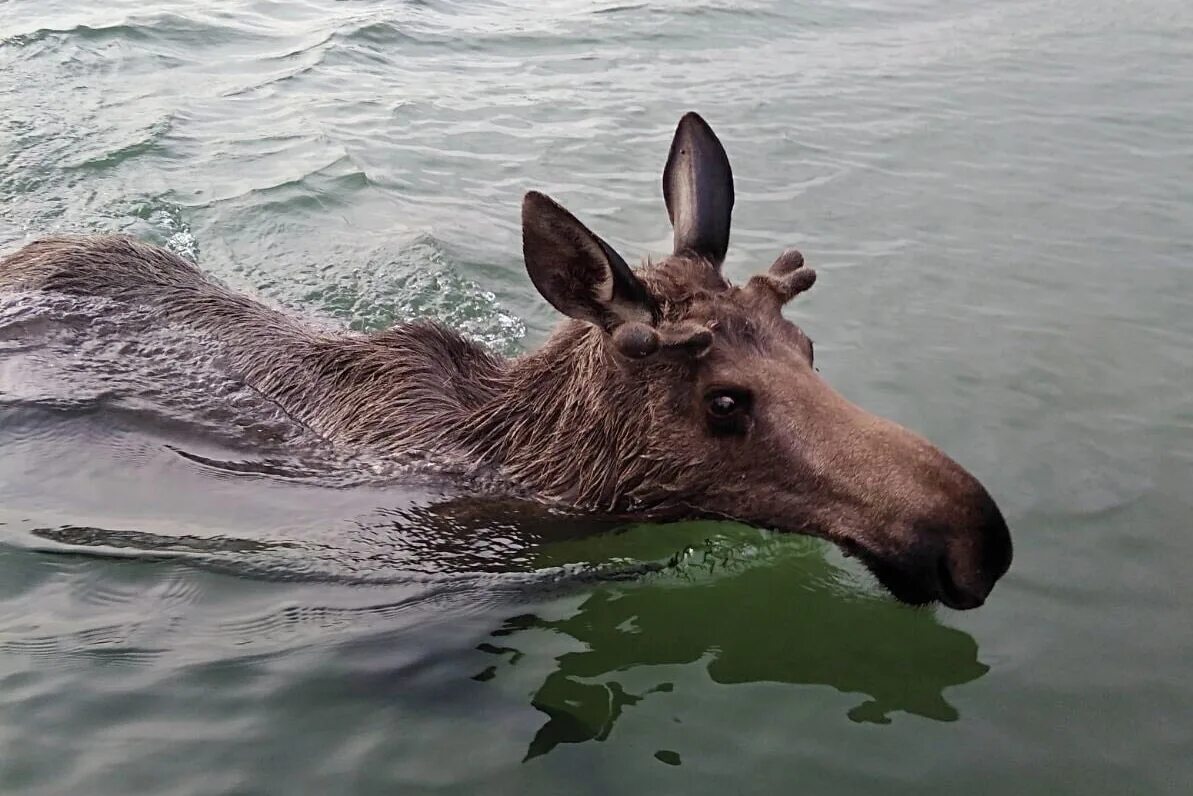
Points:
[(419, 388)]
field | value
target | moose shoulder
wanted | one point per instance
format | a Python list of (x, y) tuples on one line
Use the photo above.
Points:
[(668, 393)]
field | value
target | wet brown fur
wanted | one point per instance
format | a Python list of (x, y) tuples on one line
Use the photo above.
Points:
[(421, 389)]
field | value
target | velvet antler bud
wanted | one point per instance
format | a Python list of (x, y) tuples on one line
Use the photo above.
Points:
[(786, 279)]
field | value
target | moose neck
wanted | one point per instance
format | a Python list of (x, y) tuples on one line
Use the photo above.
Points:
[(566, 424)]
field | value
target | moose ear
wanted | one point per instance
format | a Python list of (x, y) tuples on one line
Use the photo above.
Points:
[(698, 190), (578, 272)]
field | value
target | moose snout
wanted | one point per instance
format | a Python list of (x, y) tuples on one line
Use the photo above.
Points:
[(974, 555), (934, 533), (954, 557)]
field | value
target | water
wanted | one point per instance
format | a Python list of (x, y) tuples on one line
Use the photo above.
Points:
[(999, 199)]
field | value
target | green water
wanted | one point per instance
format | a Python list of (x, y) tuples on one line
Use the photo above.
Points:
[(998, 198)]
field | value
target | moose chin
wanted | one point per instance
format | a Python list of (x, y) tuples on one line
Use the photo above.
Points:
[(667, 393)]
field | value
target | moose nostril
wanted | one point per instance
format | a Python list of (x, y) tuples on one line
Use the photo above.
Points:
[(951, 593)]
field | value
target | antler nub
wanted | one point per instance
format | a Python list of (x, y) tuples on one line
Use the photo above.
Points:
[(788, 261), (638, 340), (687, 337), (786, 279)]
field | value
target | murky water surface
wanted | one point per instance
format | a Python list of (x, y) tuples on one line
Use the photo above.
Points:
[(195, 599)]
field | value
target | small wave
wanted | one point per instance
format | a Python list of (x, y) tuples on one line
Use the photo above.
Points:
[(183, 30), (381, 33), (420, 280), (80, 32), (318, 187), (147, 141), (111, 643), (93, 540)]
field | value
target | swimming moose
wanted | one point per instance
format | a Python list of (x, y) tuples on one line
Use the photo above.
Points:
[(669, 393)]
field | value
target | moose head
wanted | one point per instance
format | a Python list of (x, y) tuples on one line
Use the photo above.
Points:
[(693, 396)]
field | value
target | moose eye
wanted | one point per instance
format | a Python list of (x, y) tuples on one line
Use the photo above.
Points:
[(728, 410), (722, 405)]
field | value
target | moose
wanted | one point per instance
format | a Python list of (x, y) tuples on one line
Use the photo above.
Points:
[(668, 393)]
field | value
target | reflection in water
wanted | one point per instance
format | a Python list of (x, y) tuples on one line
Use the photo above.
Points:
[(766, 612)]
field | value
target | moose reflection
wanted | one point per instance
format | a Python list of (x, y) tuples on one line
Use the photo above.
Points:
[(769, 610)]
